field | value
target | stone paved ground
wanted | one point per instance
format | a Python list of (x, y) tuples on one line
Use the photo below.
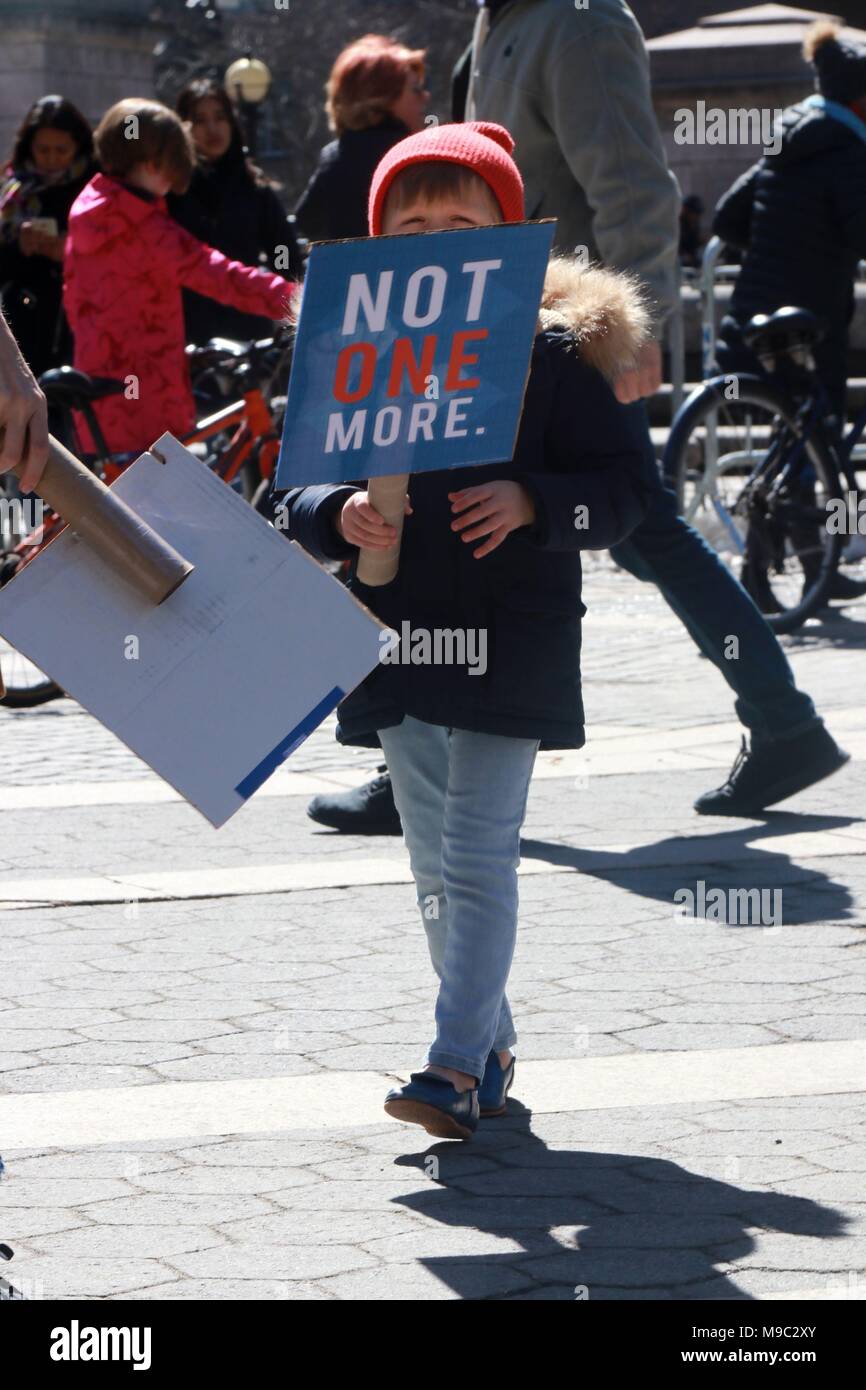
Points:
[(234, 1011)]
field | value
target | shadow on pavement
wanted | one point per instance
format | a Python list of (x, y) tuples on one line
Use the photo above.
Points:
[(831, 627), (627, 1225), (659, 869)]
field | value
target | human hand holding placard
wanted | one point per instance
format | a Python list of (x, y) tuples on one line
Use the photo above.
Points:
[(412, 355), (373, 520)]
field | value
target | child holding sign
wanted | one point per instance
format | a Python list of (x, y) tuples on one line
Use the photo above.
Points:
[(491, 553)]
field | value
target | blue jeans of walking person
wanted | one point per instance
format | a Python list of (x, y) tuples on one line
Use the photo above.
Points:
[(714, 607), (462, 800)]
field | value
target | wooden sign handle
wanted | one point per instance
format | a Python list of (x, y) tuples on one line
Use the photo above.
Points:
[(377, 567), (109, 527)]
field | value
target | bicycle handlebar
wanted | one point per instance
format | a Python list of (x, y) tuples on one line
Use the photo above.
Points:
[(242, 355)]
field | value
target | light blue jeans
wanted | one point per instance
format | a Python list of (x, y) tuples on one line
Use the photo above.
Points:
[(462, 800)]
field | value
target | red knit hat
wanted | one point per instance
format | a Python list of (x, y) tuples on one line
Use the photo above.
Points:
[(481, 146)]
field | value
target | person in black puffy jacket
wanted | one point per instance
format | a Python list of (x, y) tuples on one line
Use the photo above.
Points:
[(800, 215), (232, 206), (576, 445)]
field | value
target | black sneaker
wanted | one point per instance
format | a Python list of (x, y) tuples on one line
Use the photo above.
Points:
[(844, 589), (368, 810), (773, 771)]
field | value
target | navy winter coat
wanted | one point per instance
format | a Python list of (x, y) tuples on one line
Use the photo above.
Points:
[(800, 216), (577, 447), (226, 208), (334, 203), (31, 287)]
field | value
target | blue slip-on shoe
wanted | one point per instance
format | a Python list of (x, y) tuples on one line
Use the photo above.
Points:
[(432, 1102), (494, 1088)]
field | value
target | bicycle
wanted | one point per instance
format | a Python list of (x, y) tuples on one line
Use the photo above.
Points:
[(758, 470), (243, 435)]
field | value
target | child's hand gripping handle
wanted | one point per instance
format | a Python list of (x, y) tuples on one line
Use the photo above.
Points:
[(109, 527), (388, 496)]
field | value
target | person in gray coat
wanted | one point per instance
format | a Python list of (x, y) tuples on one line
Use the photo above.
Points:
[(572, 86)]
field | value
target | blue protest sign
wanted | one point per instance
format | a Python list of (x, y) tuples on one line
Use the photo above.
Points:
[(412, 352)]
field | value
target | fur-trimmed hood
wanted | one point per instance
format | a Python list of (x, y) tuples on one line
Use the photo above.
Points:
[(605, 311)]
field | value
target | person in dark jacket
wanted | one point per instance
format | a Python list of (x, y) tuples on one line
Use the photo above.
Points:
[(492, 551), (232, 206), (691, 236), (375, 97), (799, 215), (51, 162)]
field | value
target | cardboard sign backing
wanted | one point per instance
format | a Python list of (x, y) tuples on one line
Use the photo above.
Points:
[(217, 686)]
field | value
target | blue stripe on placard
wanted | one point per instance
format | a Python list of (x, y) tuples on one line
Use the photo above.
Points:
[(287, 746)]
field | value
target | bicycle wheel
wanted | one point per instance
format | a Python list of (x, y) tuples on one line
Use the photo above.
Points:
[(757, 490), (25, 685)]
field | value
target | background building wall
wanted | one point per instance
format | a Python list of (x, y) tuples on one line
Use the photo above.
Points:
[(96, 51), (92, 53), (749, 68)]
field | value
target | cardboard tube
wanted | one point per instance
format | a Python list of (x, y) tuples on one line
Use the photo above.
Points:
[(376, 567), (109, 527)]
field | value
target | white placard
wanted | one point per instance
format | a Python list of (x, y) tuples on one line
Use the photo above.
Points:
[(215, 687)]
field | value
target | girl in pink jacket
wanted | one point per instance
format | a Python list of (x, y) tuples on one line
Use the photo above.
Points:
[(126, 262)]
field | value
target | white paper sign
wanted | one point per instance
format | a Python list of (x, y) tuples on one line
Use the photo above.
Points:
[(217, 686)]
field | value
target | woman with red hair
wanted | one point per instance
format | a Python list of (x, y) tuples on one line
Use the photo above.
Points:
[(375, 97)]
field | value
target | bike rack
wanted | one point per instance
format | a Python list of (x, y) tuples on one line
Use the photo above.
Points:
[(707, 290), (676, 336)]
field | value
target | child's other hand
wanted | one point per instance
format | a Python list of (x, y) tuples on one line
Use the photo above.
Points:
[(360, 524), (644, 378), (492, 510)]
